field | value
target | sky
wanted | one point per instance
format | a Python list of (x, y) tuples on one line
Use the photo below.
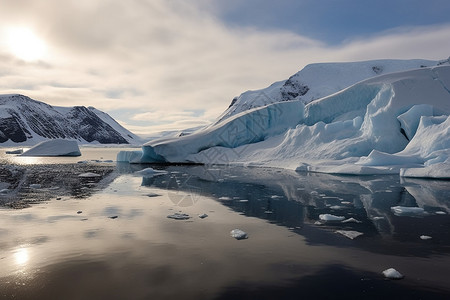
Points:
[(157, 65)]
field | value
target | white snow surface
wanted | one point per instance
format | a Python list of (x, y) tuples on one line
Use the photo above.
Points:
[(56, 147), (396, 123)]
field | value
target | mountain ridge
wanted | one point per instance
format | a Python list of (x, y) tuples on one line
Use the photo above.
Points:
[(26, 121)]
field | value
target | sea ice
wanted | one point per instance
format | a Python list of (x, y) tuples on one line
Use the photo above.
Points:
[(35, 186), (425, 237), (56, 147), (407, 211), (351, 234), (238, 234), (150, 172), (179, 216), (89, 175), (351, 220), (330, 218), (392, 273)]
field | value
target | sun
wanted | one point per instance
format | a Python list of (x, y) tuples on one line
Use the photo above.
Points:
[(24, 44)]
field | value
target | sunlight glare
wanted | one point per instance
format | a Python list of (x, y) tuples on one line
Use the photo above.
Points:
[(21, 256), (24, 44)]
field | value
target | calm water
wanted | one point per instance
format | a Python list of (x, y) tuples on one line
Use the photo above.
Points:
[(116, 242)]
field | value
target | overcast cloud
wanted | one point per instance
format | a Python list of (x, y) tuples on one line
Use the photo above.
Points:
[(160, 65)]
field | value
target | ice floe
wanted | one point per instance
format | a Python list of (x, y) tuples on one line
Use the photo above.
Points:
[(330, 218), (89, 175), (408, 211), (150, 172), (351, 234), (179, 216), (238, 234), (392, 273)]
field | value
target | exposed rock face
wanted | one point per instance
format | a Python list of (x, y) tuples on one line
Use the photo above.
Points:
[(23, 119)]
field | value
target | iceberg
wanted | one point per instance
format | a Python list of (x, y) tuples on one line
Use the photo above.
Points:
[(239, 234), (56, 147), (392, 273), (394, 123)]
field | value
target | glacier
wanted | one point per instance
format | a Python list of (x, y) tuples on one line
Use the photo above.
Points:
[(393, 123)]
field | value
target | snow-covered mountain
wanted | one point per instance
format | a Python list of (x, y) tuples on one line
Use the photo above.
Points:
[(26, 121), (319, 80), (394, 122)]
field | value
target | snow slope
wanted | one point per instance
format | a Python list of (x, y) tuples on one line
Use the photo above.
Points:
[(24, 121), (319, 80), (397, 123)]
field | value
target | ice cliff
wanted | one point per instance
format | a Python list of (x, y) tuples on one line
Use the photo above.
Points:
[(391, 123)]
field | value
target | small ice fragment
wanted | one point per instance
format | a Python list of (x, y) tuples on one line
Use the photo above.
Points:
[(17, 151), (268, 212), (238, 234), (243, 200), (225, 198), (79, 212), (335, 207), (329, 217), (317, 223), (276, 196), (441, 212), (407, 211), (150, 172), (425, 237), (351, 234), (88, 175), (346, 202), (392, 273), (377, 218), (351, 220), (179, 216), (202, 216), (35, 186), (152, 195)]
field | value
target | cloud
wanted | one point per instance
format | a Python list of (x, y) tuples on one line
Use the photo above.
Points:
[(162, 60)]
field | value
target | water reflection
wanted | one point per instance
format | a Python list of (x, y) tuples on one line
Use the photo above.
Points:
[(21, 256), (296, 200), (119, 243)]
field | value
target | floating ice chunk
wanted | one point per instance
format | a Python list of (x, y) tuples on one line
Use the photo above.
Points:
[(202, 216), (238, 234), (225, 198), (89, 175), (392, 273), (35, 186), (152, 195), (179, 216), (407, 211), (56, 147), (377, 218), (243, 200), (337, 207), (276, 196), (351, 234), (18, 151), (351, 220), (330, 218), (150, 172), (425, 237), (440, 212)]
